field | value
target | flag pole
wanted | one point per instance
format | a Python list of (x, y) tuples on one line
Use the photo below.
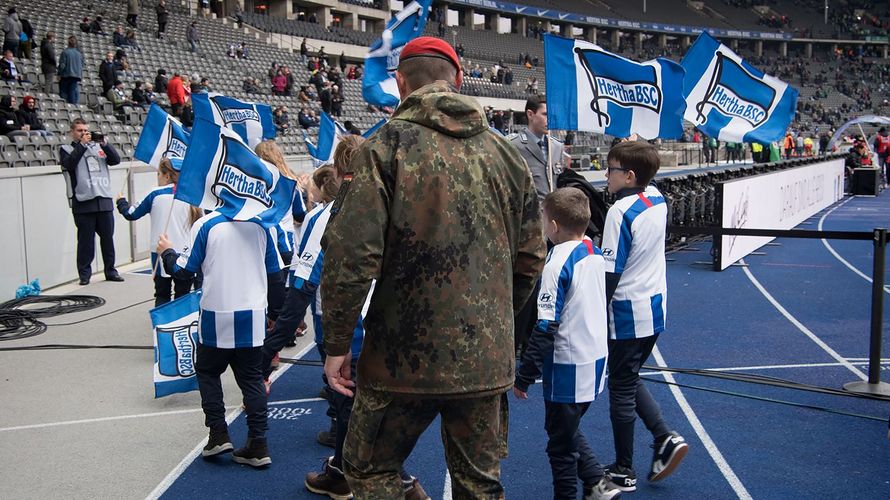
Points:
[(156, 269)]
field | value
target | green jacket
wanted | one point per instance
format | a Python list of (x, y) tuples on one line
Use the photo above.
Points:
[(442, 212)]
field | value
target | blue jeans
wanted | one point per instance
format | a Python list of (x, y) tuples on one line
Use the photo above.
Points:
[(69, 89)]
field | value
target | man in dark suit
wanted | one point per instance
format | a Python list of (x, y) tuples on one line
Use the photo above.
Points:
[(107, 73)]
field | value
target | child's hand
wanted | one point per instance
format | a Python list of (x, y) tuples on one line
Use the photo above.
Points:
[(163, 244), (119, 197), (519, 394)]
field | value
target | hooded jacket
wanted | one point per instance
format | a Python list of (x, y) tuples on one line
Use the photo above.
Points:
[(29, 117), (9, 121), (443, 213), (12, 28)]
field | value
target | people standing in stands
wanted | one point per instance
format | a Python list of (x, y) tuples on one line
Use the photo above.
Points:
[(48, 63), (176, 94), (26, 39), (12, 31), (239, 16), (325, 97), (169, 216), (107, 72), (279, 82), (289, 88), (312, 19), (132, 12), (163, 15), (336, 101), (70, 72), (204, 6), (824, 139), (342, 62), (85, 165), (191, 35), (27, 115), (161, 81), (788, 145), (303, 52), (8, 70)]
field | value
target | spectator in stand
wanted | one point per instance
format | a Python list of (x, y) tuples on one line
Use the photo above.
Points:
[(96, 26), (27, 115), (788, 145), (305, 119), (323, 58), (351, 128), (289, 88), (279, 83), (281, 119), (313, 19), (121, 62), (359, 72), (191, 35), (342, 62), (161, 81), (250, 86), (26, 39), (119, 39), (132, 12), (48, 64), (824, 139), (336, 101), (205, 8), (273, 70), (10, 125), (508, 76), (325, 97), (8, 71), (531, 86), (350, 75), (163, 16), (118, 98), (70, 72), (304, 51), (306, 96), (131, 40), (313, 64), (460, 50), (12, 31), (150, 95), (139, 96), (798, 145), (176, 94), (107, 72), (187, 116), (231, 51), (241, 52), (85, 25), (808, 146)]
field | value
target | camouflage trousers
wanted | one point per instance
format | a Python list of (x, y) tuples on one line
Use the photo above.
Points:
[(385, 427)]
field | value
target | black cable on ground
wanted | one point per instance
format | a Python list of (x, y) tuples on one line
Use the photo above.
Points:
[(19, 318), (101, 315), (16, 324), (49, 347)]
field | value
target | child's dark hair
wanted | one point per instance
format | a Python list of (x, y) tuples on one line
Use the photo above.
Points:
[(640, 157), (570, 208), (326, 180)]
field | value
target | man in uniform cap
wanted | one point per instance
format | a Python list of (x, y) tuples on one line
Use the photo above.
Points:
[(443, 213)]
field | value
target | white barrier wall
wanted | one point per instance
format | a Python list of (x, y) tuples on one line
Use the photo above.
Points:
[(778, 200)]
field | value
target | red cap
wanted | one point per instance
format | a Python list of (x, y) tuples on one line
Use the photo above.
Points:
[(428, 46)]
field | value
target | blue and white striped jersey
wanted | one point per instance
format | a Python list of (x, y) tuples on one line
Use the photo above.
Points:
[(309, 257), (164, 210), (235, 257), (633, 246), (572, 308)]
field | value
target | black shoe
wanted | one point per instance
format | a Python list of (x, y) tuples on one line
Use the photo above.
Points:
[(84, 281), (218, 443), (623, 478), (114, 277), (254, 454), (667, 456), (330, 481), (328, 438), (605, 489)]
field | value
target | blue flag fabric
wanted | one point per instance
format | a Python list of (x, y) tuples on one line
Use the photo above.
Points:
[(368, 133), (379, 83), (594, 90), (329, 133), (731, 100), (251, 120), (220, 172), (162, 137), (175, 327)]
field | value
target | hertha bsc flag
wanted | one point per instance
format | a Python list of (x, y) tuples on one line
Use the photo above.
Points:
[(329, 133), (596, 91), (253, 121), (162, 137), (729, 99), (379, 83), (176, 339), (220, 172)]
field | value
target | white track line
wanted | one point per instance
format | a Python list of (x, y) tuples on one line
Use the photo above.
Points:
[(196, 451), (734, 482), (837, 255), (806, 331), (855, 361)]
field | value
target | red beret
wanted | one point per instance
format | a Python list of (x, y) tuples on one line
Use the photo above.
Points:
[(428, 46)]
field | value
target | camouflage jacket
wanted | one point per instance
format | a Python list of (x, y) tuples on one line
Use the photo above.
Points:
[(443, 213)]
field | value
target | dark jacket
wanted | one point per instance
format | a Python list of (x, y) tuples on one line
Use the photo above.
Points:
[(48, 62), (107, 74), (442, 212), (9, 120), (6, 70), (29, 117), (162, 12), (161, 84)]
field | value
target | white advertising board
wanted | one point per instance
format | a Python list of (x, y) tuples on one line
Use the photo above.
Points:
[(779, 200)]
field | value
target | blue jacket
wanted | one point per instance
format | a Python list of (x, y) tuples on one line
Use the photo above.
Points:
[(71, 64)]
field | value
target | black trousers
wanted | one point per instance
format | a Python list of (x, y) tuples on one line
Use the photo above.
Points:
[(163, 287), (211, 362), (628, 396), (131, 19), (571, 457), (88, 226), (292, 313)]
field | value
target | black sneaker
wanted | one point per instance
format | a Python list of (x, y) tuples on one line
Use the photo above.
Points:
[(328, 438), (605, 489), (667, 456), (218, 443), (623, 478), (254, 454)]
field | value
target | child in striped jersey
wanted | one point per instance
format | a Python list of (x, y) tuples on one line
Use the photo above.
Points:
[(570, 342), (174, 215), (636, 289)]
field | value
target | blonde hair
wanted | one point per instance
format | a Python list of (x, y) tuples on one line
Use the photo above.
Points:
[(344, 153), (166, 168), (269, 151), (326, 180)]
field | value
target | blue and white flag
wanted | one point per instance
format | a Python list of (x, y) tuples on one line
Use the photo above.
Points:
[(379, 83), (253, 121), (329, 133), (368, 133), (175, 327), (731, 100), (162, 137), (220, 172), (594, 90)]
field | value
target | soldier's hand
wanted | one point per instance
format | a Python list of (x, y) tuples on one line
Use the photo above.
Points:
[(339, 373), (519, 394)]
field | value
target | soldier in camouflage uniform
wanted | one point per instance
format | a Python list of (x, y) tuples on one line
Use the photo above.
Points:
[(443, 213)]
